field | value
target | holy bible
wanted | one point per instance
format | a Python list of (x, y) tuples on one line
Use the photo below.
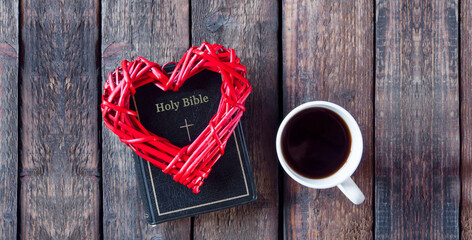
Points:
[(180, 117)]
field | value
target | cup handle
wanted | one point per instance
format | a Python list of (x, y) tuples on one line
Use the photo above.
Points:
[(352, 191)]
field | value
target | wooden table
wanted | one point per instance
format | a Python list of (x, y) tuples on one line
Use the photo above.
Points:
[(402, 68)]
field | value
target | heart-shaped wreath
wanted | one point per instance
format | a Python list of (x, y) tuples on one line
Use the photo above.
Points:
[(191, 164)]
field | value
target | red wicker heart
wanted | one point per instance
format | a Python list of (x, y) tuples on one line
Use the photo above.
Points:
[(191, 164)]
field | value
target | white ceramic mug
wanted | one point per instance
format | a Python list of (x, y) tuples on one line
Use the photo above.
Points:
[(342, 177)]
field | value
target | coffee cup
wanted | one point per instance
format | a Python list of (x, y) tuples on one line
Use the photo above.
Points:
[(319, 145)]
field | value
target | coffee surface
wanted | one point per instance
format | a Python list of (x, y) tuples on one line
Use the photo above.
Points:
[(316, 143)]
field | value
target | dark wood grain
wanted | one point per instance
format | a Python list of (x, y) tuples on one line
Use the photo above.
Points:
[(466, 116), (417, 146), (249, 27), (158, 31), (59, 131), (8, 118), (328, 55)]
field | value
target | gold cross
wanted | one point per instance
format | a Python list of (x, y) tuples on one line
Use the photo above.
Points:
[(186, 126)]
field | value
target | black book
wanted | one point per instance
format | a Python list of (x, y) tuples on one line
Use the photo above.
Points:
[(180, 117)]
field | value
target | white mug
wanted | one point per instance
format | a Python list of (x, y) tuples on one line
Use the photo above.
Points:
[(342, 177)]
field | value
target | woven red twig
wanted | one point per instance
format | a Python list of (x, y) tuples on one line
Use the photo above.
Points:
[(191, 164)]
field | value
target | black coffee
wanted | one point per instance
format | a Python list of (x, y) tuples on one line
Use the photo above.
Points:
[(316, 143)]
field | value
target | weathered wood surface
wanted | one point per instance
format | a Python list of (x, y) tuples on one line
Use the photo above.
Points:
[(8, 118), (60, 192), (328, 55), (422, 136), (466, 116), (417, 148), (158, 31), (250, 27)]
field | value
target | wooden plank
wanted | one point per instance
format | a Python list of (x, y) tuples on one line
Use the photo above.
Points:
[(328, 55), (417, 147), (8, 118), (158, 31), (466, 117), (249, 27), (59, 131)]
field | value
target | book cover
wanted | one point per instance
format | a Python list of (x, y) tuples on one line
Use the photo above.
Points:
[(180, 117)]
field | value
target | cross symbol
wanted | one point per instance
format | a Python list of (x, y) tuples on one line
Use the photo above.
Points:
[(186, 126)]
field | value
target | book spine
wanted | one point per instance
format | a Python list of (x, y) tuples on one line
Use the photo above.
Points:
[(145, 189)]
